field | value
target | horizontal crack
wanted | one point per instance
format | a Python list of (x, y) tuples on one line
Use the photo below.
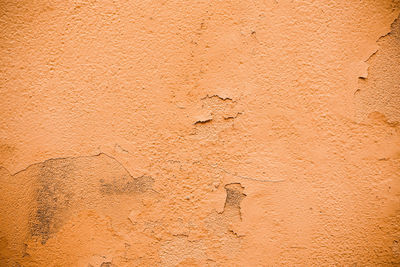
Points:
[(67, 158)]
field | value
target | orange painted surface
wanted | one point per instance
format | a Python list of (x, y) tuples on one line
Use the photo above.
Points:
[(199, 133)]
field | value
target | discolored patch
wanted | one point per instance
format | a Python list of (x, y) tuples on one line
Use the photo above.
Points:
[(64, 186), (234, 195), (127, 185), (52, 197)]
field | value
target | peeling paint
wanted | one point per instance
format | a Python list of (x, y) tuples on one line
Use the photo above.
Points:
[(215, 133)]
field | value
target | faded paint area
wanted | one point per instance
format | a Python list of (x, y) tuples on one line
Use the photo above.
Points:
[(201, 133)]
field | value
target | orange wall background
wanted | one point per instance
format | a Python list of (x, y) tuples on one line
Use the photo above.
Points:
[(199, 133)]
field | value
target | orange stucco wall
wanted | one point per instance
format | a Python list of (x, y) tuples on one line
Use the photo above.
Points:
[(199, 133)]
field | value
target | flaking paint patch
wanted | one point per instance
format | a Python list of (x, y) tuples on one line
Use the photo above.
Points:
[(55, 189), (381, 91), (234, 196)]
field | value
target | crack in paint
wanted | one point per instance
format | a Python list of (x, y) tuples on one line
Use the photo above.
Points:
[(66, 158), (219, 97), (248, 178)]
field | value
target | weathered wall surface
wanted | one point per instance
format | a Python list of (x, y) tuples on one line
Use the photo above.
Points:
[(199, 133)]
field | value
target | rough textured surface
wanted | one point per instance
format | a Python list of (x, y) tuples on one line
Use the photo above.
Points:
[(199, 133)]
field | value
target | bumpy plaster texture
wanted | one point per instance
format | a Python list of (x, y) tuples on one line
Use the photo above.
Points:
[(199, 133)]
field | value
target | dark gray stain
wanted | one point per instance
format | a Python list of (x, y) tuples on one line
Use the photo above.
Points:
[(52, 197), (127, 185), (55, 195)]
